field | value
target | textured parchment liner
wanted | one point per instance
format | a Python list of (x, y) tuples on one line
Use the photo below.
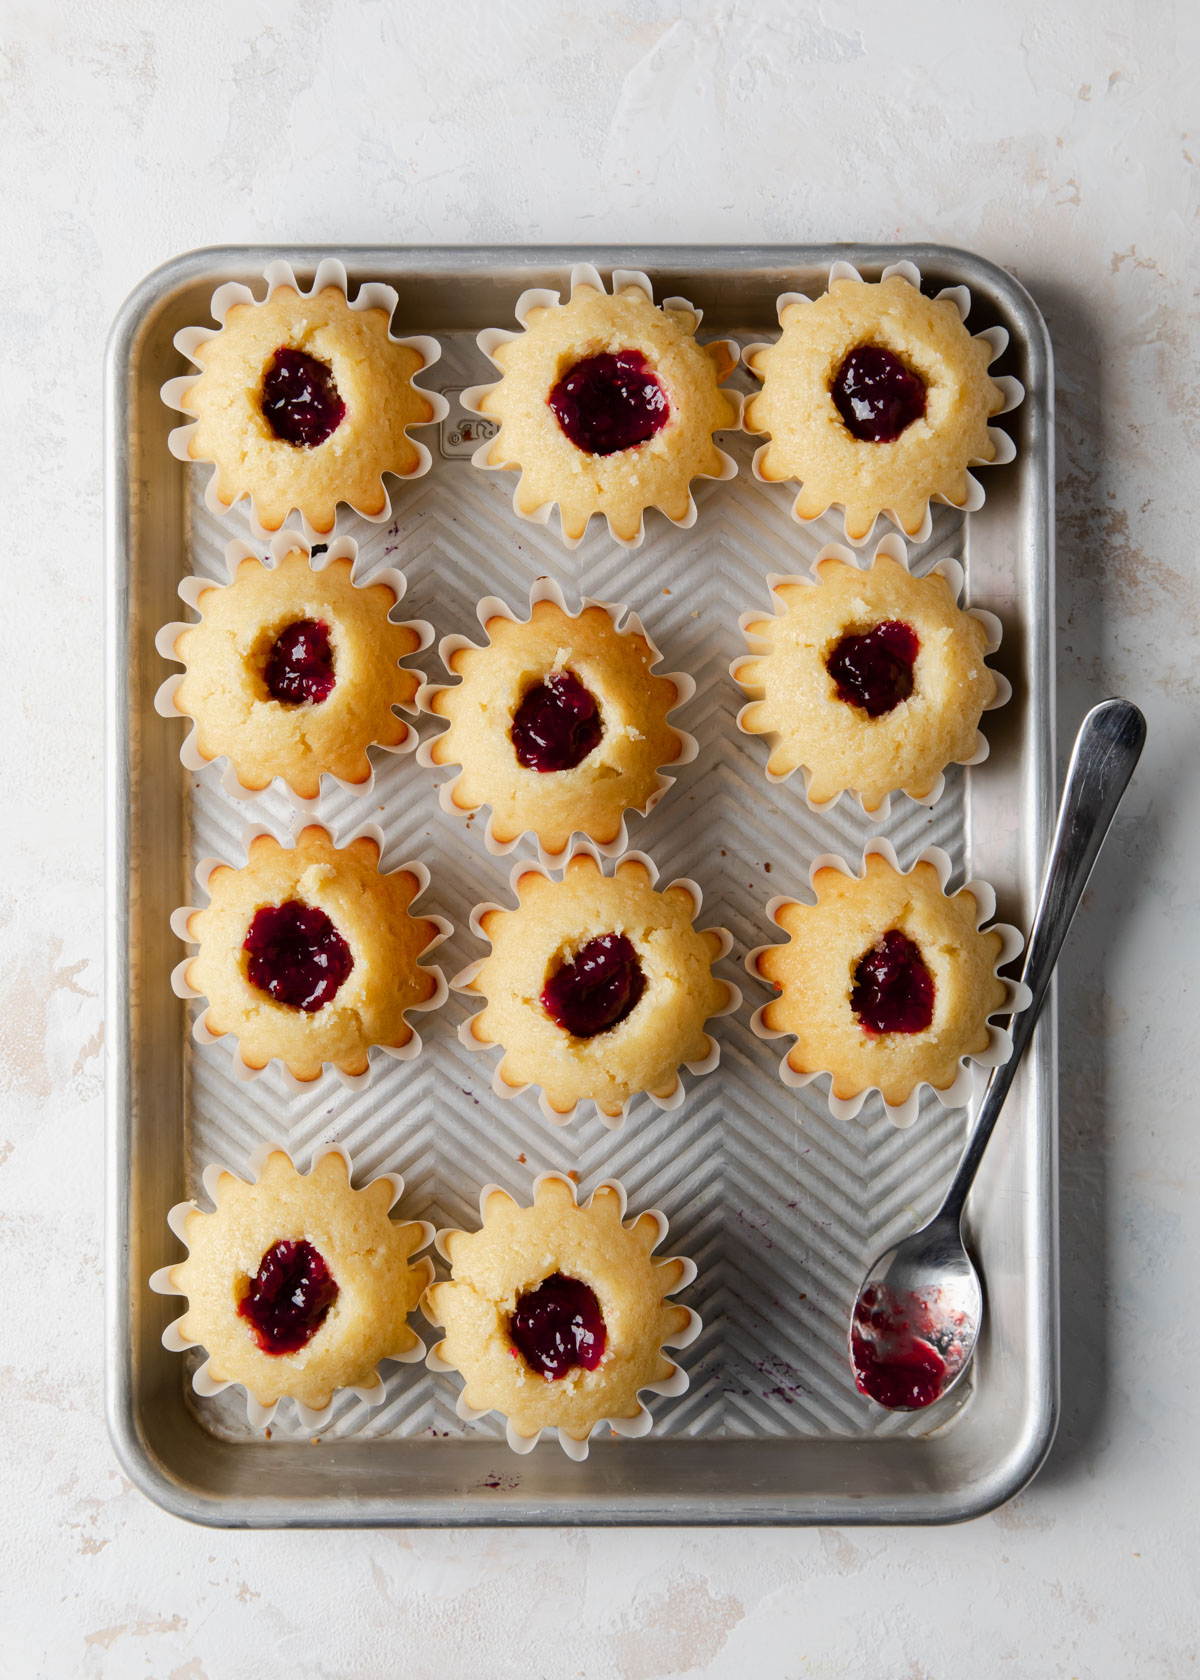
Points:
[(371, 294), (464, 981), (351, 1081), (257, 1415), (1014, 392), (624, 622), (282, 544), (894, 548), (999, 1046), (537, 297), (672, 1386)]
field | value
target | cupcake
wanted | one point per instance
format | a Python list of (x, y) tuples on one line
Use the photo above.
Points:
[(556, 1315), (876, 399), (606, 405), (303, 400), (597, 987), (298, 1286), (559, 723), (293, 669), (870, 679), (887, 983), (308, 953)]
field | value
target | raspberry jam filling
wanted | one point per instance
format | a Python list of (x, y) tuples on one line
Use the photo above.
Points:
[(299, 666), (893, 989), (599, 988), (608, 403), (557, 724), (876, 395), (904, 1353), (288, 1297), (875, 670), (557, 1326), (296, 954), (300, 399)]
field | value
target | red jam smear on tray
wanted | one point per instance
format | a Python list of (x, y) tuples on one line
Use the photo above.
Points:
[(558, 1326), (300, 399), (875, 670), (893, 989), (288, 1297), (876, 395), (296, 955), (557, 724), (299, 668), (597, 989), (608, 403)]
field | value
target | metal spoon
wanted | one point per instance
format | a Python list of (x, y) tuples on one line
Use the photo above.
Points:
[(918, 1311)]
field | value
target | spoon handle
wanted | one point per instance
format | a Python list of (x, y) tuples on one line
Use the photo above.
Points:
[(1107, 748)]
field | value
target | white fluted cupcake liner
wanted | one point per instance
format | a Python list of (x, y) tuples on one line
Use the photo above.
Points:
[(999, 1046), (584, 274), (281, 544), (464, 982), (893, 546), (672, 1386), (625, 622), (204, 1384), (996, 338), (351, 1081), (370, 295)]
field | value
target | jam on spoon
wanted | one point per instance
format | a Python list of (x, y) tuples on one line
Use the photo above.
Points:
[(608, 403), (875, 670), (557, 724), (299, 666), (893, 989), (906, 1348), (876, 395), (288, 1297), (597, 989), (296, 955), (558, 1326), (300, 399)]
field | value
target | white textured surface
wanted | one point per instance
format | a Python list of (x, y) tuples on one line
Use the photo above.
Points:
[(1051, 139)]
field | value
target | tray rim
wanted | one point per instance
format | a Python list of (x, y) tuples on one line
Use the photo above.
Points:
[(133, 1450)]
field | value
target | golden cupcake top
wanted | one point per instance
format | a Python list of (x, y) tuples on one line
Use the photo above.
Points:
[(298, 1285), (870, 679), (559, 724), (607, 405), (293, 671), (303, 401), (556, 1315), (886, 983), (597, 986), (309, 953), (876, 399)]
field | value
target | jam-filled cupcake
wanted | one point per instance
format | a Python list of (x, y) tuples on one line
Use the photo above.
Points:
[(888, 983), (870, 679), (293, 669), (556, 1315), (877, 399), (303, 400), (297, 1284), (308, 953), (606, 405), (597, 987), (559, 723)]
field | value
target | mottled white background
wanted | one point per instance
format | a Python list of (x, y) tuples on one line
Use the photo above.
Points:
[(1058, 140)]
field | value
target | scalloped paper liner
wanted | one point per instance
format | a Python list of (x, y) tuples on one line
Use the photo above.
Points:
[(625, 622), (999, 1047), (584, 274), (372, 294), (464, 981), (257, 1415), (190, 590), (893, 546), (674, 1385), (1014, 393), (351, 1081)]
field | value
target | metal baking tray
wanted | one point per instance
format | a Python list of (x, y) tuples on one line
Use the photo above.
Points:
[(780, 1206)]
